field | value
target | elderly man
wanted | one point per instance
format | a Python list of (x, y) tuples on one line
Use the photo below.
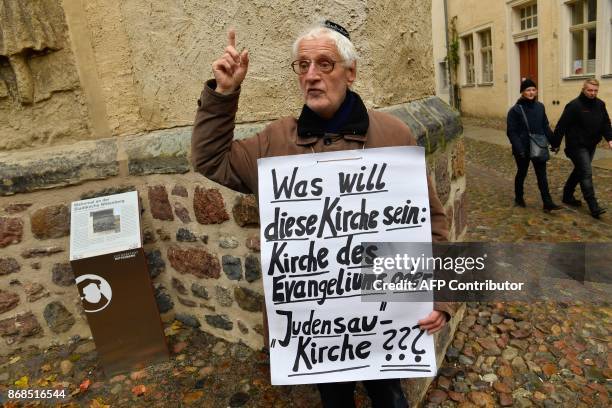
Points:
[(333, 118), (583, 122)]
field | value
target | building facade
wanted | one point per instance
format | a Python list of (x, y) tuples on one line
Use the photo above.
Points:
[(557, 43)]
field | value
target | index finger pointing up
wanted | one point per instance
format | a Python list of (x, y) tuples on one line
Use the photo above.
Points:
[(231, 37)]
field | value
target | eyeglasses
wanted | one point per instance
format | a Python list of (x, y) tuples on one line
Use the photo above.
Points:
[(301, 67)]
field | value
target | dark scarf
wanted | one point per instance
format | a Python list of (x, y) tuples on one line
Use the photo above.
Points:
[(350, 119), (586, 100), (526, 102)]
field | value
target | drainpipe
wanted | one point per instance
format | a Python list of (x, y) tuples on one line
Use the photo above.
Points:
[(451, 88)]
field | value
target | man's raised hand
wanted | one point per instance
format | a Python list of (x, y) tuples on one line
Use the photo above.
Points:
[(231, 68)]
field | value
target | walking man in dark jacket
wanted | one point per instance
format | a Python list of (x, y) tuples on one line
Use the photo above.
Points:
[(583, 123)]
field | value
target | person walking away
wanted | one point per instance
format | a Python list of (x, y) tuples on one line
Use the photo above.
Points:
[(525, 118), (584, 122)]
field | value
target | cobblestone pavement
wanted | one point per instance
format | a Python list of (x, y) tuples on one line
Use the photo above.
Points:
[(517, 354), (551, 355)]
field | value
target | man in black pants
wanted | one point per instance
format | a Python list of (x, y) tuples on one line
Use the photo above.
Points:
[(584, 121)]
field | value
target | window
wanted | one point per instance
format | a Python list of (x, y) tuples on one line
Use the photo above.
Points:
[(583, 36), (468, 58), (529, 17), (486, 54), (443, 75)]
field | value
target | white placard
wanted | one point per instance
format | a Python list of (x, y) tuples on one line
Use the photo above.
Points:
[(315, 210), (104, 225)]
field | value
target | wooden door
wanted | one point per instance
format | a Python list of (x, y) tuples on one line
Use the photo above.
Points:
[(529, 59)]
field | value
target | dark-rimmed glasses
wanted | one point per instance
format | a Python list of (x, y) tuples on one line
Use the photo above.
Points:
[(302, 66)]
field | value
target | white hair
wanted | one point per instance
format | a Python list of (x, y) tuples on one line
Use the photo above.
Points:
[(345, 47)]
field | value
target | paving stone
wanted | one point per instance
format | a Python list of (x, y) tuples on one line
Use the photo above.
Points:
[(437, 396), (456, 396), (509, 353), (209, 207), (51, 222), (505, 400), (239, 399), (502, 387), (519, 365), (490, 346), (444, 383), (481, 399), (11, 231)]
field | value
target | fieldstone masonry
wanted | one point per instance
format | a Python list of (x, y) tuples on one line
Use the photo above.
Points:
[(201, 240)]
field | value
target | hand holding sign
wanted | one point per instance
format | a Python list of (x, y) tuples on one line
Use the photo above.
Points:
[(231, 68), (434, 322)]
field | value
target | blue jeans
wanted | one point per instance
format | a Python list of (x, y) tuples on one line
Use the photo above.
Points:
[(383, 393), (582, 174)]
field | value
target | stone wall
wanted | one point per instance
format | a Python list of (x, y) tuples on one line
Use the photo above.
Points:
[(201, 239), (73, 70)]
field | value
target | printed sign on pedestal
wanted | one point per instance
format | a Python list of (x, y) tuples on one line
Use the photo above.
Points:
[(114, 284)]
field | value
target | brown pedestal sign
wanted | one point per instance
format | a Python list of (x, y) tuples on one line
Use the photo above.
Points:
[(114, 284)]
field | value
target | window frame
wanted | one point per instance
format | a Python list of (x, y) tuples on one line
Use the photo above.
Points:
[(532, 18), (486, 52), (466, 55), (582, 27)]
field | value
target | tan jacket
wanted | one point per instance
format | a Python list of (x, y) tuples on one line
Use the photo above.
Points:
[(233, 163)]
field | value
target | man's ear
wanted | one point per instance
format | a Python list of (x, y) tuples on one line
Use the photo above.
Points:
[(351, 73)]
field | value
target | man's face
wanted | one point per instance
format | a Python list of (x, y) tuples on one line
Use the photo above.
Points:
[(590, 91), (324, 93)]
